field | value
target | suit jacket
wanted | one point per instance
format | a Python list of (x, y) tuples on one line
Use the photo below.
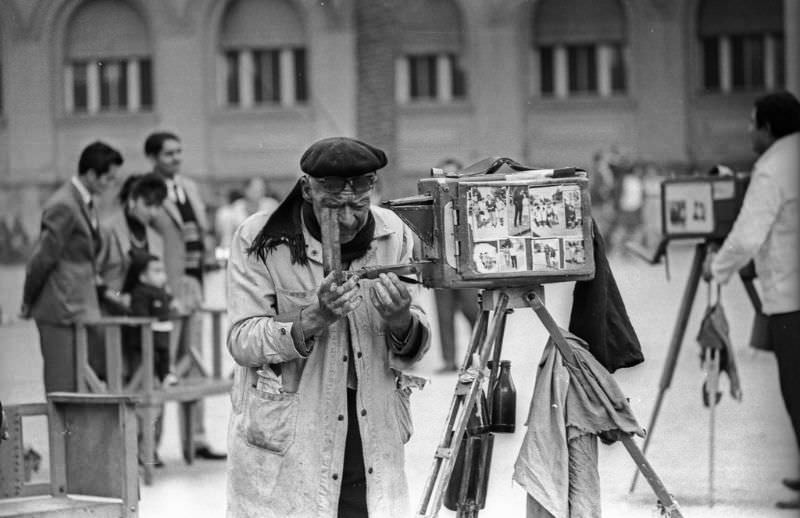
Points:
[(60, 276), (113, 260), (169, 225)]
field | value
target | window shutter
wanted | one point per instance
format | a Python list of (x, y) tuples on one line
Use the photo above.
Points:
[(430, 27), (578, 21), (261, 24), (721, 17), (108, 29)]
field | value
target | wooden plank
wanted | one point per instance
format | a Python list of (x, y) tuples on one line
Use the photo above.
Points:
[(81, 357), (114, 358), (93, 399), (92, 441), (216, 344), (45, 507), (92, 382), (120, 321), (57, 430), (148, 378), (130, 464)]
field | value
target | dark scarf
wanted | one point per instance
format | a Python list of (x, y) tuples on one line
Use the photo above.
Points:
[(285, 227)]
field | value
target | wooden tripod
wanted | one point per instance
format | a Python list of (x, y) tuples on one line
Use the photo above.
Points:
[(487, 339)]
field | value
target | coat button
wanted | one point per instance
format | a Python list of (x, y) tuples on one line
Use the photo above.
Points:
[(369, 471), (359, 354), (364, 412), (344, 358), (341, 417), (335, 476), (283, 330), (313, 252)]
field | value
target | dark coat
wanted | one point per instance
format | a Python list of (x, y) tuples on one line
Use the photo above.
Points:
[(60, 285)]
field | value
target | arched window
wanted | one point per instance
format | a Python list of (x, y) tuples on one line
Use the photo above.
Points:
[(742, 45), (581, 46), (263, 48), (430, 66), (107, 62)]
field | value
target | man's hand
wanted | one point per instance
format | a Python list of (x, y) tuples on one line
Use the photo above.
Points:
[(393, 302)]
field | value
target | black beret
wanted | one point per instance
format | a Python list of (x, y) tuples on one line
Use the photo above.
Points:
[(341, 156)]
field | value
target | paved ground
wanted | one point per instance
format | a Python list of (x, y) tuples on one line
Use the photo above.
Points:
[(754, 448)]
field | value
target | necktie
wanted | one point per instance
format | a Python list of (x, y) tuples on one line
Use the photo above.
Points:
[(92, 214), (178, 193)]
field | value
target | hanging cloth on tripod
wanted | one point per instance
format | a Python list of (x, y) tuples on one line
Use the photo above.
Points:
[(571, 406), (599, 316), (714, 335)]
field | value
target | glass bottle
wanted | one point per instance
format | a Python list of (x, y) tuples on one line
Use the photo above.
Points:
[(504, 401)]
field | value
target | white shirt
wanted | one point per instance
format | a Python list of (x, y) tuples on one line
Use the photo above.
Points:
[(767, 228), (86, 196), (175, 191)]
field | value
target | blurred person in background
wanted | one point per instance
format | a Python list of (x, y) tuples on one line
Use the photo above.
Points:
[(182, 224), (256, 198), (128, 230), (766, 231), (60, 280), (450, 302)]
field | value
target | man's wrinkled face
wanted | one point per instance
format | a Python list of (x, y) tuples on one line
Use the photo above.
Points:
[(168, 160), (350, 196)]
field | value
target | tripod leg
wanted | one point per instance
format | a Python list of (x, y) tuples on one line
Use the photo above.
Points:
[(669, 503), (462, 404), (712, 364), (627, 440), (684, 312)]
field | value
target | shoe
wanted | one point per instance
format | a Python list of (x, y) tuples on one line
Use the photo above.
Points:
[(792, 483), (204, 452), (788, 504)]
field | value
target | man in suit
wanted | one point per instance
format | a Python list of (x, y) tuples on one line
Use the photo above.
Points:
[(60, 278), (183, 226)]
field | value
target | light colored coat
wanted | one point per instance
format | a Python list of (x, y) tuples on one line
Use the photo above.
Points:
[(169, 224), (286, 447), (113, 260), (766, 228)]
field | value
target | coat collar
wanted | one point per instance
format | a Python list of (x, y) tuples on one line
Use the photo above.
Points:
[(82, 204)]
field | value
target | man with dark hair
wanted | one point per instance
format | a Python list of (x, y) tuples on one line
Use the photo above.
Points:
[(60, 277), (320, 400), (766, 230), (182, 224)]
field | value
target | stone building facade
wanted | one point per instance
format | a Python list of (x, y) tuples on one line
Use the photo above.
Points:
[(248, 84)]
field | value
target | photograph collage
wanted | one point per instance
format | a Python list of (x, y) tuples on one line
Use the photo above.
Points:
[(523, 228)]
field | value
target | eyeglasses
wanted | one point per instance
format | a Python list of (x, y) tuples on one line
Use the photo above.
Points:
[(358, 184)]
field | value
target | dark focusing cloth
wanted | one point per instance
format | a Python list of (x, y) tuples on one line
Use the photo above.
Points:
[(599, 316)]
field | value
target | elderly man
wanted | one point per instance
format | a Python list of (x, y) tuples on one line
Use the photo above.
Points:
[(320, 400), (767, 230)]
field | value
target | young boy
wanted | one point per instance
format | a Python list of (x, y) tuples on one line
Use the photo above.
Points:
[(145, 282)]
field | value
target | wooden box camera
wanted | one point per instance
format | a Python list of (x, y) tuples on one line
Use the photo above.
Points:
[(701, 206), (492, 230)]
